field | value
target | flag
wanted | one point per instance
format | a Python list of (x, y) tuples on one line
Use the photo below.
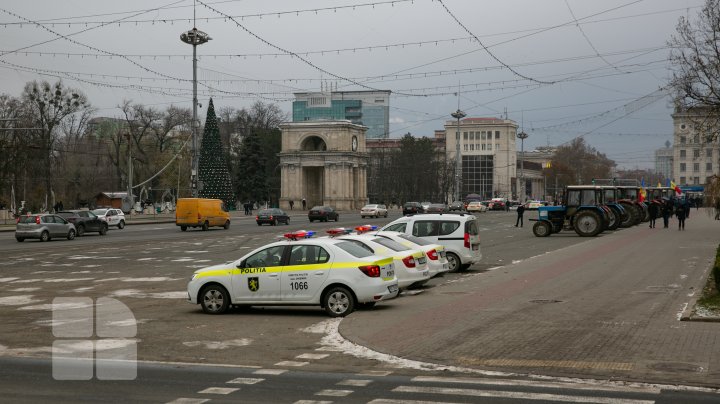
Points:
[(676, 188), (642, 194), (659, 184)]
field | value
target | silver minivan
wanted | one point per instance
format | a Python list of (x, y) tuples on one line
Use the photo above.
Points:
[(43, 227), (458, 232)]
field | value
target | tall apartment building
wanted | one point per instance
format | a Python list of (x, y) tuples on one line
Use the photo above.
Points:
[(488, 152), (367, 108), (695, 157), (664, 162)]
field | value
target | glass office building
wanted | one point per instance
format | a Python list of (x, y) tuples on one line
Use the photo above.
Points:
[(367, 108)]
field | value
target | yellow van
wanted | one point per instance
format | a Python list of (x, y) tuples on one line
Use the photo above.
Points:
[(200, 212)]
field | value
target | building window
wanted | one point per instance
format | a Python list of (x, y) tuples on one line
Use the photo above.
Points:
[(497, 146), (696, 180), (696, 167), (708, 167), (682, 180), (696, 153), (483, 146), (482, 135), (696, 139), (708, 153), (682, 167), (683, 139), (465, 135), (497, 134), (472, 147), (466, 147), (472, 135), (682, 154)]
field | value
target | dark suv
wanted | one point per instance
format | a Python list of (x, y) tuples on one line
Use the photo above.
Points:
[(84, 221), (411, 208)]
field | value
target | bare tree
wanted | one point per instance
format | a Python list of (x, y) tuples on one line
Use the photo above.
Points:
[(695, 57), (48, 106)]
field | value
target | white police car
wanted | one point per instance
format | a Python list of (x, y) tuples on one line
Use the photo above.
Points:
[(338, 275), (435, 253), (411, 265)]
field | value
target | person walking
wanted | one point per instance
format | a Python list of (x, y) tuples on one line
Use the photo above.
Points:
[(292, 203), (666, 210), (520, 211), (653, 211), (681, 213), (304, 204), (717, 209)]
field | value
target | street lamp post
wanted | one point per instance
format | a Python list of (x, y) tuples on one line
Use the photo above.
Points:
[(522, 136), (194, 37), (458, 161)]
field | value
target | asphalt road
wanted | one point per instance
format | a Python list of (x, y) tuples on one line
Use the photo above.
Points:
[(146, 267)]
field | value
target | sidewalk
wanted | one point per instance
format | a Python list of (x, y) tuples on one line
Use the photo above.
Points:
[(608, 308)]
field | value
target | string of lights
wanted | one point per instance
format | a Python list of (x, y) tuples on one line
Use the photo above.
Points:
[(68, 21), (307, 62)]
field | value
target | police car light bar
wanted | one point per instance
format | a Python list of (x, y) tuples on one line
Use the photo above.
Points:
[(366, 228), (299, 234), (340, 231)]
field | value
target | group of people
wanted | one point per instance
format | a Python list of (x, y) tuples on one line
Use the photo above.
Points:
[(666, 209)]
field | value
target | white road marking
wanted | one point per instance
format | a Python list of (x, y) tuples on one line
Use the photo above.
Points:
[(682, 310), (189, 401), (7, 279), (52, 307), (219, 344), (354, 382), (334, 393), (530, 383), (517, 395), (312, 356), (389, 401), (291, 363), (381, 373), (270, 371), (218, 390), (17, 300), (23, 289), (312, 402), (246, 380)]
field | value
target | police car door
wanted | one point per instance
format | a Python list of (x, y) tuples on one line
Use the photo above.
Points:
[(257, 277), (306, 271)]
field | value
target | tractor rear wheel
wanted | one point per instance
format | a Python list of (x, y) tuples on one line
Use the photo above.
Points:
[(630, 217), (588, 223), (613, 219)]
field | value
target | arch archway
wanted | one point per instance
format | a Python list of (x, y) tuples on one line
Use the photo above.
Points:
[(313, 143)]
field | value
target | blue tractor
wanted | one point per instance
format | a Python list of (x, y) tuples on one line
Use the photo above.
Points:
[(582, 211)]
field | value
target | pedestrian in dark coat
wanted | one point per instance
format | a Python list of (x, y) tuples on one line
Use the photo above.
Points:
[(653, 211), (520, 211), (681, 213), (666, 210)]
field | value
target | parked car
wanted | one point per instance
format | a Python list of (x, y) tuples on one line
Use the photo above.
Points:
[(84, 221), (436, 208), (412, 208), (111, 216), (323, 214), (373, 210), (456, 206), (425, 206), (476, 207), (272, 217), (43, 227), (435, 253), (458, 232), (534, 205), (498, 204)]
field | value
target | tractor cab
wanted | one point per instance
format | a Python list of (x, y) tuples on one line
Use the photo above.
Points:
[(611, 199), (582, 211)]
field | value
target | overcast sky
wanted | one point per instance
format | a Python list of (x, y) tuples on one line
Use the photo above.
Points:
[(561, 68)]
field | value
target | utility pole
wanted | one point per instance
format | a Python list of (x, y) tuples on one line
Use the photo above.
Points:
[(522, 136), (194, 37), (458, 159), (130, 197)]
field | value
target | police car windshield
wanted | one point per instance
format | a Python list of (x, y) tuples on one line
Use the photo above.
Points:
[(390, 244), (413, 239), (357, 250)]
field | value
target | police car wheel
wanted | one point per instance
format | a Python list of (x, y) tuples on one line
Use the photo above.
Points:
[(214, 299), (339, 302)]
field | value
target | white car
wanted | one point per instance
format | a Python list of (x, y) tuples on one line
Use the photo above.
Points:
[(113, 217), (435, 253), (458, 232), (411, 267), (476, 207), (373, 210), (338, 275)]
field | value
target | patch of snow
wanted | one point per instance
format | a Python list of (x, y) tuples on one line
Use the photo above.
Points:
[(17, 300), (219, 344)]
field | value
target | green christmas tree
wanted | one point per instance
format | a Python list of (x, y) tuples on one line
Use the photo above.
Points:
[(213, 168)]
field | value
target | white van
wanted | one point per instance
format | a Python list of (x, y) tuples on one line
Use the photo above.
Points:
[(458, 232)]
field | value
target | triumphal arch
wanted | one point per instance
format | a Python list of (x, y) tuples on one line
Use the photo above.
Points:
[(325, 163)]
